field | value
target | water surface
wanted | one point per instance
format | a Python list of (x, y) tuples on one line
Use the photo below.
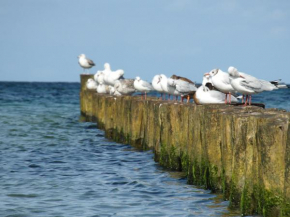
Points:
[(51, 164)]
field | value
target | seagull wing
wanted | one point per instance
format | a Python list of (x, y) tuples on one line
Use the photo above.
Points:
[(185, 87), (147, 85), (254, 85), (91, 63), (267, 85)]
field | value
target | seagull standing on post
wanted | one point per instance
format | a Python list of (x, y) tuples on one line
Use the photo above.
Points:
[(85, 63), (142, 86), (221, 81), (248, 85)]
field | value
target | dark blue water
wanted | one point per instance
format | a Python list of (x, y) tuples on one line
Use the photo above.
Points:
[(52, 164)]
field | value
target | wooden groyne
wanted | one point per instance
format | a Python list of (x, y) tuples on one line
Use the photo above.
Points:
[(244, 152)]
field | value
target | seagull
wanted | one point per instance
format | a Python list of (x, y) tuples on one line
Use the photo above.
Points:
[(157, 85), (247, 84), (99, 77), (107, 69), (221, 81), (170, 90), (113, 76), (204, 95), (85, 63), (110, 77), (142, 86), (184, 86), (113, 91), (125, 86), (91, 84), (103, 88), (96, 76)]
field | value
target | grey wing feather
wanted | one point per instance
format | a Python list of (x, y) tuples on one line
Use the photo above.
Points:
[(184, 87), (255, 85), (91, 62), (192, 87), (267, 85), (147, 85), (128, 83)]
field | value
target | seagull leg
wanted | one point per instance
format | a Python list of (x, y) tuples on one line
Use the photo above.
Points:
[(250, 99), (188, 98), (230, 97), (243, 98), (247, 96), (226, 99)]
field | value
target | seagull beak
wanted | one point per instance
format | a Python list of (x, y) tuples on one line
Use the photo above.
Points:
[(242, 76), (206, 74)]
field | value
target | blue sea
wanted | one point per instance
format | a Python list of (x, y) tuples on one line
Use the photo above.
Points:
[(54, 164)]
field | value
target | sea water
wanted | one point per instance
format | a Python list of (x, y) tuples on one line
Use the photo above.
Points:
[(52, 164)]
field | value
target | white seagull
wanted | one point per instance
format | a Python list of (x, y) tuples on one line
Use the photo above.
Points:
[(170, 90), (142, 86), (85, 63), (96, 76), (91, 84), (103, 88), (113, 91), (113, 76), (100, 77), (125, 86), (110, 77), (204, 95), (183, 85), (157, 85), (247, 84), (221, 81)]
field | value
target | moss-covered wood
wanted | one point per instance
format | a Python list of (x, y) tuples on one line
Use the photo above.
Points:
[(242, 151)]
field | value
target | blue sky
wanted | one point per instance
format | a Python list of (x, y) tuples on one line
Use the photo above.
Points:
[(41, 39)]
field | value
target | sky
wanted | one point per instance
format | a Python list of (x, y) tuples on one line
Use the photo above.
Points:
[(41, 39)]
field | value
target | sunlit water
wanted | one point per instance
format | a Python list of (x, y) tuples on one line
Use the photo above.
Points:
[(51, 164)]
